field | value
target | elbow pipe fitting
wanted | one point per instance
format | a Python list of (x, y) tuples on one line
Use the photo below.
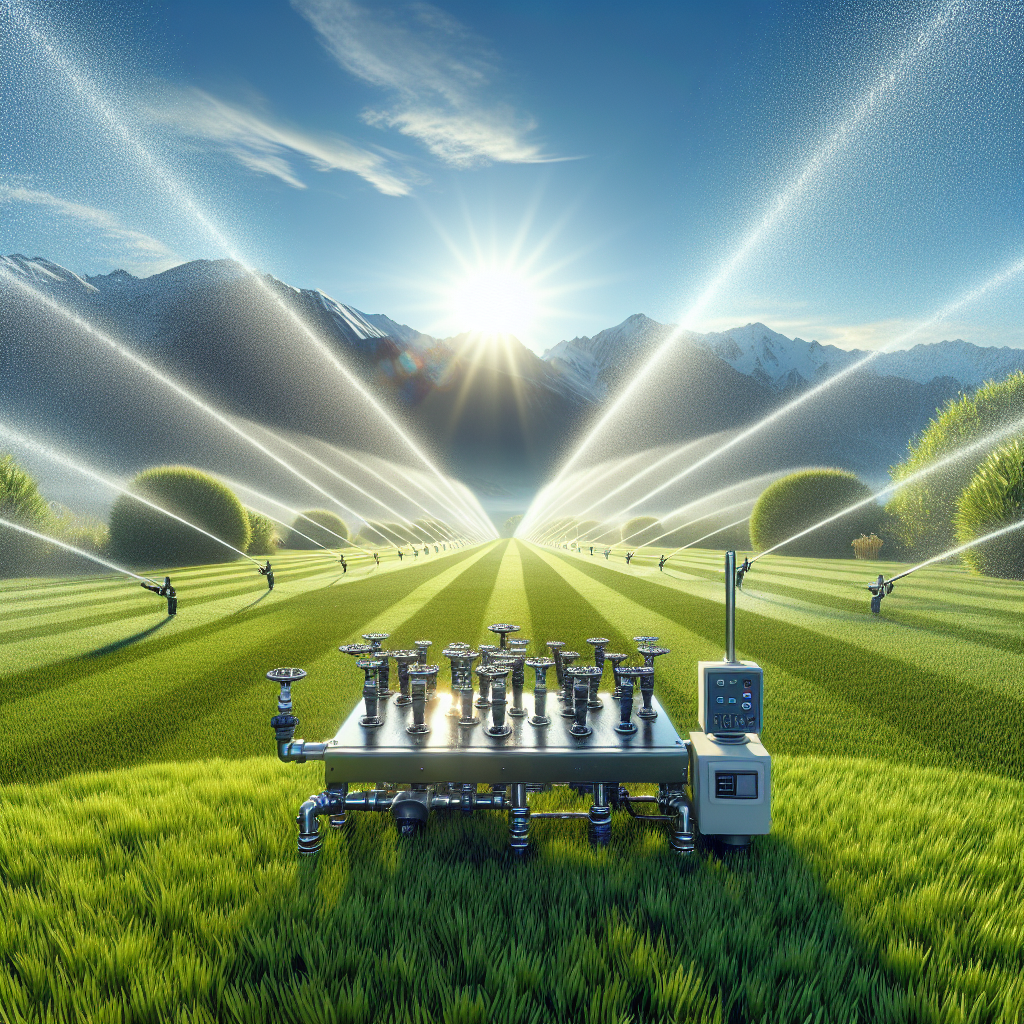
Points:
[(682, 839), (300, 750)]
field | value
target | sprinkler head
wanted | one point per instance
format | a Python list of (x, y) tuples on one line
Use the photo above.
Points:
[(503, 629), (376, 640), (650, 652), (421, 646), (356, 650)]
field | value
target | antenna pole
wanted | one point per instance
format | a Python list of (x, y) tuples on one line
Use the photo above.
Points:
[(730, 606)]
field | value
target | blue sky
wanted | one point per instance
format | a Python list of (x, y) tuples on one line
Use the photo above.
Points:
[(610, 158)]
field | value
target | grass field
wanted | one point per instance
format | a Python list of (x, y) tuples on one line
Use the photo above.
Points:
[(147, 839)]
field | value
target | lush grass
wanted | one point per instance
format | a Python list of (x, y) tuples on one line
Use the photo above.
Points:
[(167, 887)]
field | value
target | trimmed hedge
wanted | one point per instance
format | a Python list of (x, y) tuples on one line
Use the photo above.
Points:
[(922, 512), (803, 499), (641, 530), (263, 538), (21, 503), (993, 499), (143, 536), (323, 529)]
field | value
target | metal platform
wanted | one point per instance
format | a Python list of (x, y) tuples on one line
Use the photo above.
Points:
[(545, 754)]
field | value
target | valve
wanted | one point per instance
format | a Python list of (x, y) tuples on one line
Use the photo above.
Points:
[(540, 668)]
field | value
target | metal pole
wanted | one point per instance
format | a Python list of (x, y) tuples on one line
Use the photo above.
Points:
[(730, 606)]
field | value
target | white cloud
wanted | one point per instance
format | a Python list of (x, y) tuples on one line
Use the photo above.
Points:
[(268, 146), (132, 243), (437, 72)]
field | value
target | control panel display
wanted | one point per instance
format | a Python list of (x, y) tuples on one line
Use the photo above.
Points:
[(731, 697)]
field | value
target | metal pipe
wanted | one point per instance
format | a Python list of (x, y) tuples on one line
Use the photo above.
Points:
[(300, 750), (730, 607)]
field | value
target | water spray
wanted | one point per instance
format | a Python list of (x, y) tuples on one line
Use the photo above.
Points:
[(882, 587), (324, 466), (85, 88), (996, 280), (89, 329), (836, 141), (980, 445), (77, 551), (77, 467)]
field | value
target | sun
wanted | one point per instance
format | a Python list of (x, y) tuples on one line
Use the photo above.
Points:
[(495, 302)]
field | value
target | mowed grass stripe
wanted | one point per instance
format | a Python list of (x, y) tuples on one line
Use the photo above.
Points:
[(508, 601), (191, 580), (117, 716), (928, 648), (566, 614), (442, 609), (191, 595), (928, 707), (49, 655), (925, 608)]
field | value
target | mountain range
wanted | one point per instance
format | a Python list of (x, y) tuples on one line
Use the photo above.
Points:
[(501, 419)]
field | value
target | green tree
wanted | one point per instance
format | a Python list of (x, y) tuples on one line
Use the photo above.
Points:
[(326, 528), (922, 512), (993, 499), (640, 530), (803, 499), (143, 535), (263, 538), (511, 525), (21, 503)]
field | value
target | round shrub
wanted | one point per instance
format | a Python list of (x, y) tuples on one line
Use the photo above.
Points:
[(922, 512), (141, 535), (641, 530), (803, 499), (263, 537), (21, 503), (326, 528), (994, 499)]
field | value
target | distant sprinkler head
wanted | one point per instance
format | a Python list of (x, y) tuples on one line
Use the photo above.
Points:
[(879, 589)]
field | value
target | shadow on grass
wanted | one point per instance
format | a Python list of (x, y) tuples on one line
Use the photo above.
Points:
[(42, 678), (152, 721), (882, 688), (629, 932), (252, 604), (128, 640)]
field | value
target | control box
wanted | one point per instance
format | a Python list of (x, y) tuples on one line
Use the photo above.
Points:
[(730, 697), (730, 788)]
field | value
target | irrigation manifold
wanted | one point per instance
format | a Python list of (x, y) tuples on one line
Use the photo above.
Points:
[(500, 734)]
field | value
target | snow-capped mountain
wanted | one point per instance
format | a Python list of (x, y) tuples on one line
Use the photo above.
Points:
[(771, 358), (246, 342)]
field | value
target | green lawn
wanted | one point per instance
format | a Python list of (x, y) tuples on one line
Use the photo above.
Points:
[(147, 838)]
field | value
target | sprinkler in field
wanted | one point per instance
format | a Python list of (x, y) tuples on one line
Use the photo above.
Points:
[(165, 590), (879, 589), (267, 570), (742, 571)]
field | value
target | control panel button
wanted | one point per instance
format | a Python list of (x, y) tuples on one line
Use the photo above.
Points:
[(732, 700), (719, 700), (720, 682), (745, 705)]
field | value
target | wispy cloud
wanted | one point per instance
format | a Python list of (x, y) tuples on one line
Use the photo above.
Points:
[(436, 72), (153, 253), (268, 146)]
